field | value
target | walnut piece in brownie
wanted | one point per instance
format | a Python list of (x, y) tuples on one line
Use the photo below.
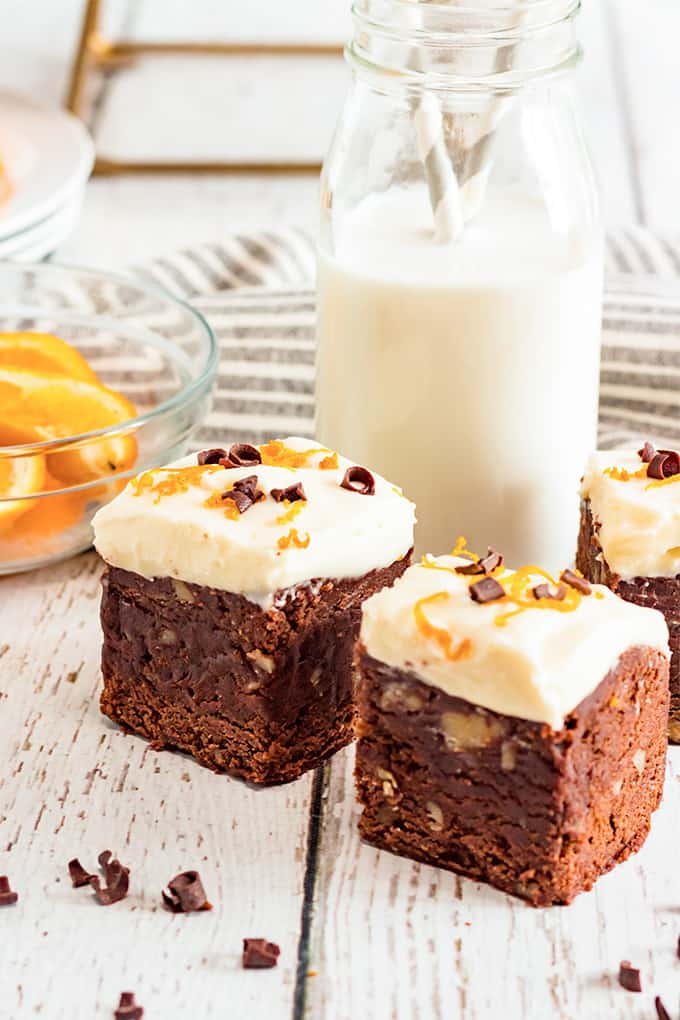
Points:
[(520, 742), (629, 539), (229, 632)]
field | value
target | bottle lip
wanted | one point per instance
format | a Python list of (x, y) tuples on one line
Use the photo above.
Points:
[(498, 47)]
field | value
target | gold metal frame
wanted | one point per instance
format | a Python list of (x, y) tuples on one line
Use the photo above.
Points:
[(97, 53)]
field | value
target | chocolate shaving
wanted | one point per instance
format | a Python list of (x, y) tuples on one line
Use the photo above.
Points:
[(547, 591), (359, 479), (664, 464), (259, 953), (242, 455), (486, 590), (629, 977), (486, 565), (128, 1008), (470, 569), (244, 493), (661, 1011), (576, 581), (79, 876), (7, 897), (116, 877), (186, 894), (291, 494), (213, 456), (678, 948), (646, 453), (117, 880), (491, 561)]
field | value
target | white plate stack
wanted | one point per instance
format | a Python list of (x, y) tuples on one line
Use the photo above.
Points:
[(46, 157)]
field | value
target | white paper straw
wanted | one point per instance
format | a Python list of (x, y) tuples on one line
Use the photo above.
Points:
[(441, 178)]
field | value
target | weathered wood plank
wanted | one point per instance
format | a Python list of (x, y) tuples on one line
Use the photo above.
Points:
[(71, 784), (395, 940)]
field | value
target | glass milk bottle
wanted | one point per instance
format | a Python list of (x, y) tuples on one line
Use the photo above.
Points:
[(460, 271)]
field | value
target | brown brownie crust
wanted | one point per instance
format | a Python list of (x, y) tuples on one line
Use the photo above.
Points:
[(662, 593), (537, 813), (261, 694)]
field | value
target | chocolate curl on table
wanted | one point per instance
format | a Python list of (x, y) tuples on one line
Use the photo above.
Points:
[(128, 1008), (116, 877), (292, 494), (258, 953), (629, 977), (241, 455), (664, 464), (7, 897), (186, 894), (661, 1011)]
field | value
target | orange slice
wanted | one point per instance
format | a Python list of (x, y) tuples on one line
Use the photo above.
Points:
[(42, 352), (19, 476), (35, 407)]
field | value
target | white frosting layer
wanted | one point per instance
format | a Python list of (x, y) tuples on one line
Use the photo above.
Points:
[(539, 666), (177, 536), (639, 519)]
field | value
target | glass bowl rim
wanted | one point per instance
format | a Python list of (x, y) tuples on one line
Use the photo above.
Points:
[(205, 376)]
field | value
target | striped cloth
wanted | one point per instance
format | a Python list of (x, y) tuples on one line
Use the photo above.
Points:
[(257, 293)]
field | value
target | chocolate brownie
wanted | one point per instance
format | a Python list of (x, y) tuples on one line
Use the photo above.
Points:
[(262, 694), (232, 600), (538, 813), (512, 725), (612, 486)]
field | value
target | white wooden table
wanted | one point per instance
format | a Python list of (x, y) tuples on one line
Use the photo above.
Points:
[(362, 934)]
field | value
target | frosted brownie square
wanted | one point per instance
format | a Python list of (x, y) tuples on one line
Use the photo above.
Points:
[(232, 599), (512, 726), (630, 538)]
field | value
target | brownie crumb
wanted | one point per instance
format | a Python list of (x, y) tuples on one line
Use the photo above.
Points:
[(128, 1008), (7, 897), (186, 894), (629, 977), (258, 953), (213, 456), (359, 479), (486, 590)]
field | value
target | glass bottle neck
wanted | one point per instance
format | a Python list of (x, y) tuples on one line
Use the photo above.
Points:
[(463, 45)]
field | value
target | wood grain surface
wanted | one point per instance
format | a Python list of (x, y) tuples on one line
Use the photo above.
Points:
[(363, 934)]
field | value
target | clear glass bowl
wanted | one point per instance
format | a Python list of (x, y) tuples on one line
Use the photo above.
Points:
[(141, 341)]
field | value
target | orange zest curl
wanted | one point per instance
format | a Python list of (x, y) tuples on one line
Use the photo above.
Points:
[(292, 538), (623, 475), (292, 511), (461, 548), (658, 482), (431, 565), (277, 454), (444, 639), (170, 481), (519, 589), (329, 463), (219, 502)]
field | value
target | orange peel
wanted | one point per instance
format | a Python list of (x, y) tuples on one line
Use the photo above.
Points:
[(19, 476), (44, 353)]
